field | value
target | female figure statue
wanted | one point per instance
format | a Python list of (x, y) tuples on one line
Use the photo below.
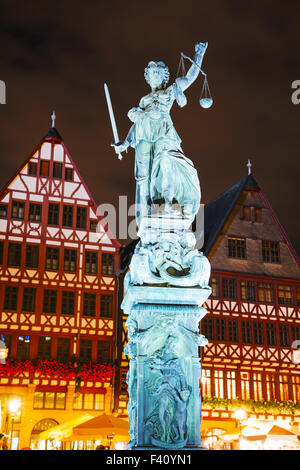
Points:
[(163, 173)]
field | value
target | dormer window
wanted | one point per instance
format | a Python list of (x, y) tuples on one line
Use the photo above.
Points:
[(257, 214), (53, 214), (67, 216), (246, 213), (44, 168), (93, 225), (57, 170), (236, 247), (81, 217), (17, 210), (32, 169), (107, 264), (270, 251), (68, 174), (3, 211), (251, 213), (35, 212)]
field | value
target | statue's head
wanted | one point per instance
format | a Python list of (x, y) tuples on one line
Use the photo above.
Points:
[(157, 74)]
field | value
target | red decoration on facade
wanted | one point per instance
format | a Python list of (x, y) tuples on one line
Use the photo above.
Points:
[(65, 371)]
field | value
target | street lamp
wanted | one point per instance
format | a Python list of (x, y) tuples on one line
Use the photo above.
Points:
[(240, 415), (14, 407)]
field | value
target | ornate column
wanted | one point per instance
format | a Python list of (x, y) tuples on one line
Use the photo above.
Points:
[(164, 306)]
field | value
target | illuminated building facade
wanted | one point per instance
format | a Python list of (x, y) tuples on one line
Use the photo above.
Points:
[(253, 321), (57, 296)]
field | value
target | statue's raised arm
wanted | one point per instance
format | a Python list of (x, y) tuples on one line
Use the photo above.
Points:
[(157, 76), (184, 82)]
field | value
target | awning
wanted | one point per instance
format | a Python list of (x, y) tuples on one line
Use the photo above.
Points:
[(261, 433), (282, 434), (102, 426), (245, 430)]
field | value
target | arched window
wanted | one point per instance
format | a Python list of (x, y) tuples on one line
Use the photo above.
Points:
[(36, 443)]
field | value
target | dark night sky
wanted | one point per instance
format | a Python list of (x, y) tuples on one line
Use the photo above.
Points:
[(57, 55)]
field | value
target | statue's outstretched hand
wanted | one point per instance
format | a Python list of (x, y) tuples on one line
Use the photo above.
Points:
[(201, 47)]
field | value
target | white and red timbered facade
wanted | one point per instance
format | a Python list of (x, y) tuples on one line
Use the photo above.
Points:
[(57, 291)]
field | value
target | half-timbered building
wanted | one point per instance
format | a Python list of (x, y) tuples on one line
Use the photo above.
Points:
[(57, 295), (253, 320)]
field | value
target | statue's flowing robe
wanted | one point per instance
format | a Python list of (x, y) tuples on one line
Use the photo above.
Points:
[(159, 156)]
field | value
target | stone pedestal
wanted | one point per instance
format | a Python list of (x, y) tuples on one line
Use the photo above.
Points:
[(163, 380)]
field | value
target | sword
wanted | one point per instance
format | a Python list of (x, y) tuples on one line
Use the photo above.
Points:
[(112, 120)]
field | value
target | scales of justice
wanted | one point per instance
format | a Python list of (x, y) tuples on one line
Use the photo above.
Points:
[(167, 282)]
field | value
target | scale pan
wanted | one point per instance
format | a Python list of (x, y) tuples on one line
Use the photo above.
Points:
[(206, 102)]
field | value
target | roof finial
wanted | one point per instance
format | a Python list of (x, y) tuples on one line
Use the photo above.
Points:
[(53, 117), (249, 165)]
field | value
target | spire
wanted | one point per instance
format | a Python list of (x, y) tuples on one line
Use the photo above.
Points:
[(53, 132), (53, 117), (249, 166)]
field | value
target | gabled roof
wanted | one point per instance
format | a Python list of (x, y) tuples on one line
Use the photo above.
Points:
[(217, 212), (53, 135)]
